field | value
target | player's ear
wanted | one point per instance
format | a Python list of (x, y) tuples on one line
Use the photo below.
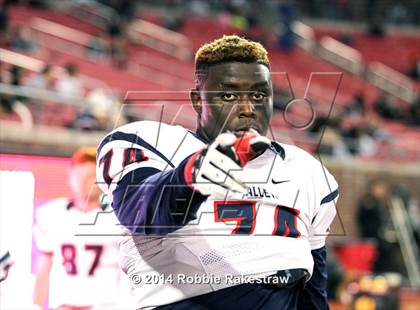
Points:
[(195, 100)]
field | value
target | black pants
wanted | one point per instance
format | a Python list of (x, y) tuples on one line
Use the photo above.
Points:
[(243, 297)]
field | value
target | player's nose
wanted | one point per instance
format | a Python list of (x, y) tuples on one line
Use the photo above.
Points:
[(246, 107)]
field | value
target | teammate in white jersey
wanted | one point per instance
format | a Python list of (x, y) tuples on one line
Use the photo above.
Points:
[(222, 218), (77, 271)]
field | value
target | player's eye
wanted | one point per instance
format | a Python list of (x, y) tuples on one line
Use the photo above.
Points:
[(228, 97), (258, 96)]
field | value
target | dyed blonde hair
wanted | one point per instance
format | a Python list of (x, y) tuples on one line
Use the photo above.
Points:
[(228, 49)]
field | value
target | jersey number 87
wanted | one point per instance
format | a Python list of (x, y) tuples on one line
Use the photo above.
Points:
[(69, 253)]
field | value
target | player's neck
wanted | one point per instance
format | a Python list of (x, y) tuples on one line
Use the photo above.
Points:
[(202, 134)]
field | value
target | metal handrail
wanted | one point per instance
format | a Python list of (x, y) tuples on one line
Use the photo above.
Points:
[(351, 60), (405, 236), (97, 13)]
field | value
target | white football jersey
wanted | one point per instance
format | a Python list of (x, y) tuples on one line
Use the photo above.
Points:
[(85, 269), (286, 213)]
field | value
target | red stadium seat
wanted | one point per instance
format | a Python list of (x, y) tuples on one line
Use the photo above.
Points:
[(357, 257)]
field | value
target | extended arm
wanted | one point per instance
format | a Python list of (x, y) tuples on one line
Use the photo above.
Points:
[(149, 200)]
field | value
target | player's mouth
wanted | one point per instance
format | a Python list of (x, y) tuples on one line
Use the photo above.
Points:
[(249, 128)]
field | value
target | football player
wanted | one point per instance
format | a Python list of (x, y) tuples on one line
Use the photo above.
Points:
[(76, 272), (222, 218)]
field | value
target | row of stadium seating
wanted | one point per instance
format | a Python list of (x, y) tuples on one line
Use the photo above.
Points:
[(149, 69), (397, 51)]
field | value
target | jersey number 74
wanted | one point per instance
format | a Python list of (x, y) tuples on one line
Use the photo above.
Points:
[(244, 213)]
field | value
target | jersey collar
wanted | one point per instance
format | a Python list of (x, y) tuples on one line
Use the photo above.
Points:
[(278, 149), (71, 205)]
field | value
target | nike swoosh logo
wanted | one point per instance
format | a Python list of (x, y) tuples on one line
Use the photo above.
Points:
[(279, 182)]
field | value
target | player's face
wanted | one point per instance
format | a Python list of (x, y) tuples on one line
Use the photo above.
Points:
[(236, 97), (83, 182)]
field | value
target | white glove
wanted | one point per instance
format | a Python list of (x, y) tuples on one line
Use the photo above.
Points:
[(217, 169)]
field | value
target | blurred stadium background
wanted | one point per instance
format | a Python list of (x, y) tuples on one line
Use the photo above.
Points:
[(346, 78)]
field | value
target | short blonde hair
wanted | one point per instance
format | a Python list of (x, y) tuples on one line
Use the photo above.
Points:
[(231, 48), (228, 49)]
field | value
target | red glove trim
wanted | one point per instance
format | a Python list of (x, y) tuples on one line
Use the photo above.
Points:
[(243, 148), (188, 170)]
